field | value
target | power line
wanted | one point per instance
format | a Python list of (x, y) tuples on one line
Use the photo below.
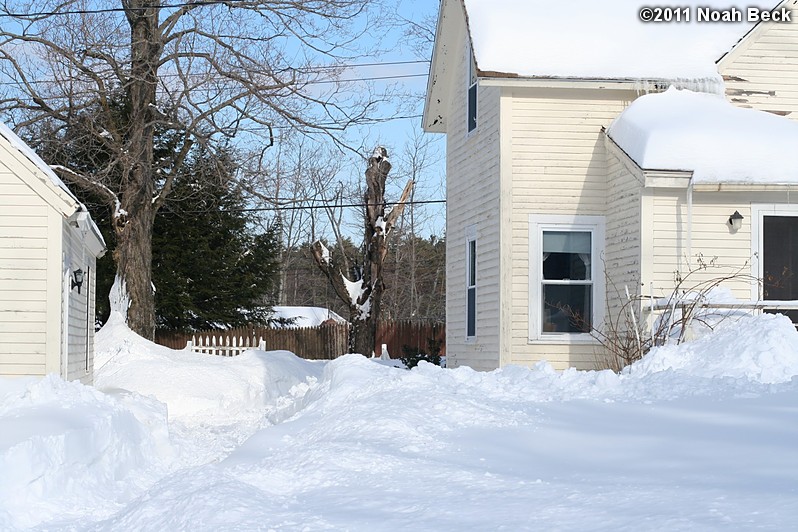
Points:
[(328, 205), (343, 205), (359, 65), (98, 11), (318, 82), (298, 69)]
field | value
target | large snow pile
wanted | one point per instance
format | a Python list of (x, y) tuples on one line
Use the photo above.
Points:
[(198, 388), (697, 436), (590, 39), (762, 348), (67, 449), (705, 134)]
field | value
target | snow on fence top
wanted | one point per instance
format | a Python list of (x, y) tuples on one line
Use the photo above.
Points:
[(705, 134), (595, 39)]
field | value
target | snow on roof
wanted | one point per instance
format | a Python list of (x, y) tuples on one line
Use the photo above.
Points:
[(590, 39), (26, 150), (705, 134), (305, 316), (37, 161)]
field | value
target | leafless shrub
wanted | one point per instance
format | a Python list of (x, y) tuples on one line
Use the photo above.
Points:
[(628, 332)]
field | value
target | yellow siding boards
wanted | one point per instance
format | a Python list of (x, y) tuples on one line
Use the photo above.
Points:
[(761, 72), (473, 189), (554, 172)]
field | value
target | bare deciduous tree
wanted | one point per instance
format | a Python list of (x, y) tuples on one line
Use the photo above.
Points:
[(363, 295), (116, 72)]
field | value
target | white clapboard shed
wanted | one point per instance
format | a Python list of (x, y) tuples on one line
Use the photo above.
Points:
[(49, 246)]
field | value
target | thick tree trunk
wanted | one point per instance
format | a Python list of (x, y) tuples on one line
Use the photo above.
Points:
[(135, 223), (134, 267), (362, 335)]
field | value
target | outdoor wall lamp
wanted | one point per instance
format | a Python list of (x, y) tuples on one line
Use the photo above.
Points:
[(77, 279), (736, 221)]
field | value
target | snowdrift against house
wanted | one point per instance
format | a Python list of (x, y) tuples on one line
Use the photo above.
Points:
[(707, 135), (589, 39)]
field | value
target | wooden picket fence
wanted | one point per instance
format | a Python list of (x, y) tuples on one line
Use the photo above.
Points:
[(223, 344), (325, 342)]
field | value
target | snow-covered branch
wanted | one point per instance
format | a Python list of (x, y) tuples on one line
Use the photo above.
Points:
[(90, 185)]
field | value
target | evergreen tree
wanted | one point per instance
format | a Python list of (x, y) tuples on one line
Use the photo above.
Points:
[(211, 268)]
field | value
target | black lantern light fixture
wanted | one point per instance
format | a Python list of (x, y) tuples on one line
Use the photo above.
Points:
[(736, 221), (77, 279)]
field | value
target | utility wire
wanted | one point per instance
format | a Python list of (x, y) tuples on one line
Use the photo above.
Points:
[(321, 206), (327, 205), (310, 69), (306, 83), (97, 11)]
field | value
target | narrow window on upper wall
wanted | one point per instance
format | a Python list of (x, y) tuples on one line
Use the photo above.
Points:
[(472, 92), (471, 286)]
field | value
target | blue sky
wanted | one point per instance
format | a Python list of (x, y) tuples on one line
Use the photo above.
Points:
[(396, 134)]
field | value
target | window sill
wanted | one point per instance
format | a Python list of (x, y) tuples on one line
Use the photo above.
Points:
[(563, 339)]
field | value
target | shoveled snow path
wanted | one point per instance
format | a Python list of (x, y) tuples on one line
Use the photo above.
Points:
[(384, 449)]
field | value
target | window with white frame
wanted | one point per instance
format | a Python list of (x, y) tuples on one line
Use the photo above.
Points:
[(471, 283), (566, 284), (472, 92)]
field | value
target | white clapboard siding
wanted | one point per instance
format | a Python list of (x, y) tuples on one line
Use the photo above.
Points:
[(560, 166), (473, 191), (711, 242), (23, 275), (622, 259), (80, 318), (763, 72)]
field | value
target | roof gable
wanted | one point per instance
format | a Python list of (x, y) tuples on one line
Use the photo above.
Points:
[(36, 174), (585, 39), (451, 22), (39, 176)]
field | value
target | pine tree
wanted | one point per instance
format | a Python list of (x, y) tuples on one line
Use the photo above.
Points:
[(210, 267)]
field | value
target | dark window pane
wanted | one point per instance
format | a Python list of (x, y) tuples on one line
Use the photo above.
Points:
[(472, 263), (472, 107), (566, 266), (567, 308), (471, 314), (780, 260)]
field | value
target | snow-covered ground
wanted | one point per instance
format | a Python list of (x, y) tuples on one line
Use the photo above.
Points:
[(701, 437)]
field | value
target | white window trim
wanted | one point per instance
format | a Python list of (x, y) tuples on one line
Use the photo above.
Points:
[(471, 236), (758, 212), (537, 224)]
